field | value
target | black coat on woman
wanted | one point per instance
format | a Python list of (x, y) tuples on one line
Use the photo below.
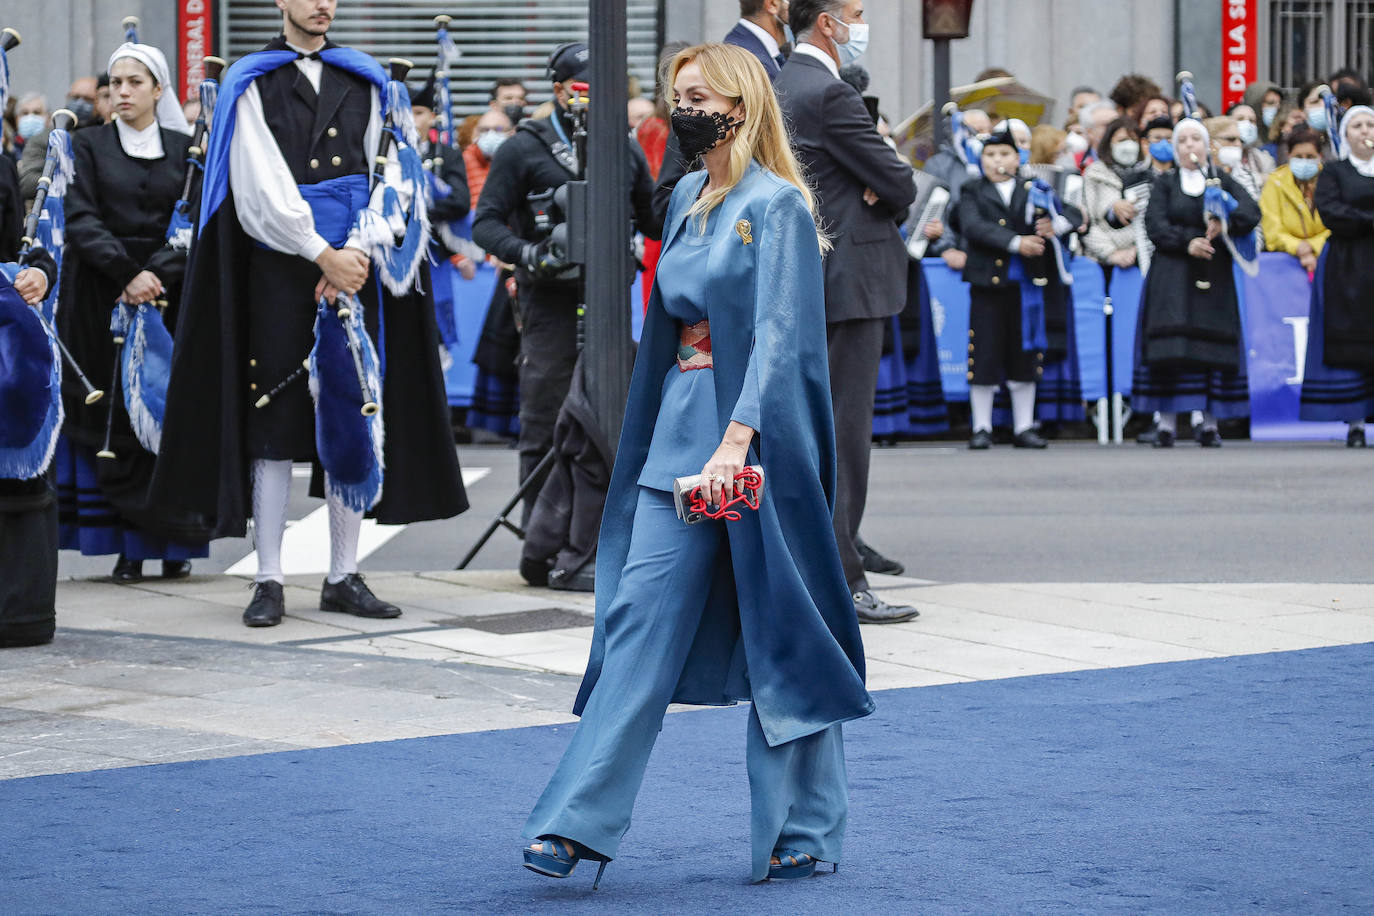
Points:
[(1190, 312), (117, 210), (1345, 200)]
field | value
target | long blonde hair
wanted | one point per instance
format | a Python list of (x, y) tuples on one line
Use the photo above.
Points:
[(736, 73)]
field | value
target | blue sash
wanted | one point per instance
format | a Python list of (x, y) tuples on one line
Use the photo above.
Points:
[(1033, 335), (335, 204)]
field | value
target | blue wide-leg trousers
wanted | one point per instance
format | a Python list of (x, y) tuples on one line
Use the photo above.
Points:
[(798, 789)]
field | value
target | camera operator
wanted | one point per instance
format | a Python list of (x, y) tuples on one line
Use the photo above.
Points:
[(515, 218)]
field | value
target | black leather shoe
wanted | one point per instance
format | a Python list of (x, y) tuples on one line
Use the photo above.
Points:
[(1355, 437), (1164, 439), (176, 569), (872, 609), (1209, 438), (981, 439), (351, 595), (565, 580), (267, 607), (875, 562), (127, 570), (1029, 438), (1148, 437)]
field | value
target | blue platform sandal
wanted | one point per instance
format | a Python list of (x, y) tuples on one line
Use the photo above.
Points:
[(803, 864), (554, 859)]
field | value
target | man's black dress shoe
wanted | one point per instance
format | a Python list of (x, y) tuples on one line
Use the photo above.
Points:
[(875, 562), (1355, 437), (127, 570), (176, 569), (565, 580), (1209, 438), (267, 607), (872, 609), (981, 439), (1148, 437), (350, 595), (1029, 438), (1164, 439)]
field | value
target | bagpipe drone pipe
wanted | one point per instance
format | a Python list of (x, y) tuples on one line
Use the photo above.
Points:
[(455, 234), (1217, 203), (142, 340)]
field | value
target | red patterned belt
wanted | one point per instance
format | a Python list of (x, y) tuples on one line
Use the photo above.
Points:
[(694, 347)]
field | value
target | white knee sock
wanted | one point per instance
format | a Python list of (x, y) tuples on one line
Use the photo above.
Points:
[(1207, 420), (344, 527), (271, 490), (980, 406), (1168, 423), (1022, 406)]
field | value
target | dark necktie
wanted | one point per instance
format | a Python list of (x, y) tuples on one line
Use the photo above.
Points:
[(780, 59), (313, 55)]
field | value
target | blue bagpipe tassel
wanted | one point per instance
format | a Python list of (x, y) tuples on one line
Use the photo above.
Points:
[(145, 368), (30, 385), (398, 263), (349, 443), (1043, 197), (1219, 205)]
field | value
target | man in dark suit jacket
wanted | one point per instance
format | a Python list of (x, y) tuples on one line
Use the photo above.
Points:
[(864, 188), (760, 32)]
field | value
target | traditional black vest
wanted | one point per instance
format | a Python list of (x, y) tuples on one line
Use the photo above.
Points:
[(320, 134)]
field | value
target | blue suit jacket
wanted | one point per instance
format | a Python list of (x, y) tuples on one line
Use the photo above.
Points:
[(747, 40), (779, 625)]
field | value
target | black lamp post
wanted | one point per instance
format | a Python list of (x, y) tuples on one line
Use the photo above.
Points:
[(944, 21)]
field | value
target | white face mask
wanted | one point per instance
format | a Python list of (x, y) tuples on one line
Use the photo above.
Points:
[(1076, 143), (1230, 156), (489, 142), (1126, 152), (1249, 133), (856, 45)]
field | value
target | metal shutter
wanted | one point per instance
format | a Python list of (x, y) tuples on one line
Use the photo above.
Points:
[(513, 38)]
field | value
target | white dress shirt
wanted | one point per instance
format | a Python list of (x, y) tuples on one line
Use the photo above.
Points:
[(812, 51), (140, 144), (770, 44)]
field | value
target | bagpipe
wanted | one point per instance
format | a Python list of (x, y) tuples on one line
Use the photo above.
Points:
[(1333, 122), (343, 367), (1217, 204), (142, 341), (455, 234), (30, 362)]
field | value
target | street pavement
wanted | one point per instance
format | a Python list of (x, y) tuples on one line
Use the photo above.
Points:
[(1022, 563)]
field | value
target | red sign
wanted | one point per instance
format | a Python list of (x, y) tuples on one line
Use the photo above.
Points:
[(195, 41), (1239, 56)]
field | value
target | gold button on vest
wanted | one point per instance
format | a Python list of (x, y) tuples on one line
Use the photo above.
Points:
[(333, 131), (337, 160), (314, 163)]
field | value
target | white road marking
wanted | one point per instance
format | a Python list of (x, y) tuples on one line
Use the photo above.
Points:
[(305, 546)]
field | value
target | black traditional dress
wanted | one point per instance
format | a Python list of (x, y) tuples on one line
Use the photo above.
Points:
[(1339, 380), (1189, 348), (117, 209)]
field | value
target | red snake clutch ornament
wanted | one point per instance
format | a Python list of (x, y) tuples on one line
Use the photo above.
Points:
[(692, 506)]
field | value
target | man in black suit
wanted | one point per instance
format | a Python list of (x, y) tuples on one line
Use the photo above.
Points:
[(760, 31), (864, 188)]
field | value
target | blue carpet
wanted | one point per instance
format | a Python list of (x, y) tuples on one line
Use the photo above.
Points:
[(1224, 785)]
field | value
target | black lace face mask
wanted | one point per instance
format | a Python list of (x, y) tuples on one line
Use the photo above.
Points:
[(699, 131)]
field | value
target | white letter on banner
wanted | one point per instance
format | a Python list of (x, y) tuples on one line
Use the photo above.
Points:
[(1299, 326)]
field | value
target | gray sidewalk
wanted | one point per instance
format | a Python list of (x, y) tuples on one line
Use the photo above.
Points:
[(159, 672)]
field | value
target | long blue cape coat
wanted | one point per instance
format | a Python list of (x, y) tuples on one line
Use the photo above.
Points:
[(779, 625)]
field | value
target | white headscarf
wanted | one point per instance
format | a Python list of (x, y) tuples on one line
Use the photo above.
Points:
[(168, 112), (1364, 166), (1193, 181)]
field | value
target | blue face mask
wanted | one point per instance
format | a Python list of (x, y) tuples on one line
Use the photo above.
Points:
[(1304, 169), (1162, 151), (1316, 117), (29, 125), (1024, 156)]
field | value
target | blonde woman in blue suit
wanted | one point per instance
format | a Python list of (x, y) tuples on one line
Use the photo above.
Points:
[(731, 371)]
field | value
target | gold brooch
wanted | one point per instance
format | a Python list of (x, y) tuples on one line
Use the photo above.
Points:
[(745, 231)]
